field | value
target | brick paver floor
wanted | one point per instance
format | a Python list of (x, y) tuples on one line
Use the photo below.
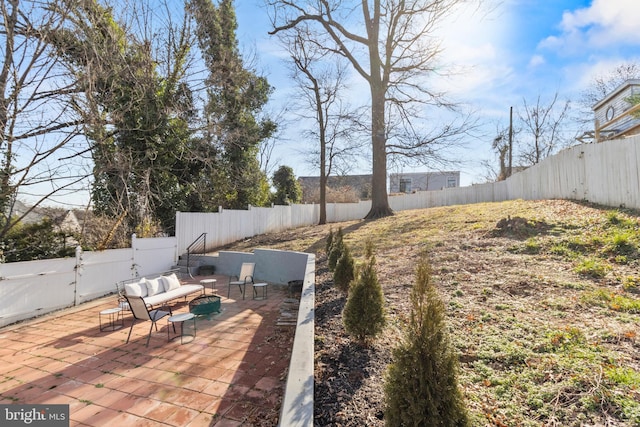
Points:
[(232, 374)]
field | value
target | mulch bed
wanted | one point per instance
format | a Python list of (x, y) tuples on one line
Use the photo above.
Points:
[(348, 379)]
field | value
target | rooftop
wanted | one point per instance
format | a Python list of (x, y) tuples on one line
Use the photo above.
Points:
[(233, 373)]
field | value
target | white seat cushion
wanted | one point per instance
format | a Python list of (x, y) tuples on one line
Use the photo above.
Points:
[(182, 291)]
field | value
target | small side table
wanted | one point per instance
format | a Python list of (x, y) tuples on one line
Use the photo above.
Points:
[(113, 321), (182, 318), (209, 282), (263, 288)]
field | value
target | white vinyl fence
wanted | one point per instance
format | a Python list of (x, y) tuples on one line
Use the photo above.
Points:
[(33, 288), (605, 173)]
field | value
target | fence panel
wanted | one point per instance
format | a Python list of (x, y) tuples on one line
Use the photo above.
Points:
[(605, 173), (31, 288), (153, 255), (98, 272)]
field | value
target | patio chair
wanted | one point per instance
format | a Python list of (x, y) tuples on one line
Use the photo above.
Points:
[(141, 312), (245, 277)]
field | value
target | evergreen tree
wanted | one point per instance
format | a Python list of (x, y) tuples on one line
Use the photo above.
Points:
[(337, 247), (345, 271), (363, 316), (327, 247), (40, 240), (135, 110), (421, 386), (287, 187), (236, 96)]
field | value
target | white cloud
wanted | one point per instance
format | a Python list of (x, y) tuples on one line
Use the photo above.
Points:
[(472, 40), (605, 23), (536, 60)]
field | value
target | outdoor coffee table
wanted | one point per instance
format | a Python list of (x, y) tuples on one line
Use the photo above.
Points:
[(182, 318), (114, 319)]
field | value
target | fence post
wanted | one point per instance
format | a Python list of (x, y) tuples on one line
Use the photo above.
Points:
[(134, 264), (78, 273)]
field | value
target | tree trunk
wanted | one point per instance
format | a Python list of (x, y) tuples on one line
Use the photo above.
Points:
[(323, 191), (379, 198)]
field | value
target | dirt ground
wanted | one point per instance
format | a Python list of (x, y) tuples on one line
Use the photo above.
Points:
[(499, 279)]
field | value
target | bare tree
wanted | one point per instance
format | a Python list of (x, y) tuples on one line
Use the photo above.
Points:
[(542, 129), (391, 45), (320, 79), (501, 145), (41, 146)]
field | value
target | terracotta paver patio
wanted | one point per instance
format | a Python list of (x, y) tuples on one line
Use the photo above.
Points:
[(232, 374)]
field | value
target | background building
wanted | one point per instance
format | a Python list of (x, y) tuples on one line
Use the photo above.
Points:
[(423, 181), (618, 114)]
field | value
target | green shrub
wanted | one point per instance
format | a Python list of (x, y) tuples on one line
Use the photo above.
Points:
[(345, 271), (35, 241), (337, 247), (329, 241), (364, 315), (421, 386), (631, 284), (592, 268)]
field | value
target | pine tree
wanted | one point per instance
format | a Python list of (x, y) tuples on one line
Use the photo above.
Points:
[(421, 386), (327, 246), (337, 247), (364, 315), (345, 271)]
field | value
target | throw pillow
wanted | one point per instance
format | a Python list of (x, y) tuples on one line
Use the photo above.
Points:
[(170, 282), (154, 286), (143, 287), (133, 289)]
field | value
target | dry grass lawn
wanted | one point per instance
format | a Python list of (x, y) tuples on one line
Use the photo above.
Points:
[(543, 304)]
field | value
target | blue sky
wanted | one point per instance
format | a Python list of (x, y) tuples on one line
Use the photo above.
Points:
[(518, 49)]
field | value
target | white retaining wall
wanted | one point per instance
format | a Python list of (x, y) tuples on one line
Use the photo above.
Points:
[(605, 173)]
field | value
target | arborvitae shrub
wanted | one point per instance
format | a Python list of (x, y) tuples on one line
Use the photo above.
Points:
[(364, 314), (337, 247), (345, 271), (329, 242), (421, 387)]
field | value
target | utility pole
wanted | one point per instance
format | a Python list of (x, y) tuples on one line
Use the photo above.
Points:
[(510, 141)]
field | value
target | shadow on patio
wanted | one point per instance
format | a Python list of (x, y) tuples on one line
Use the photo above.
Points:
[(233, 373)]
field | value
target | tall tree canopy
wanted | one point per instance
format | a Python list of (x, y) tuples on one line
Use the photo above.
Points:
[(235, 97), (122, 77), (391, 44), (136, 116), (287, 187)]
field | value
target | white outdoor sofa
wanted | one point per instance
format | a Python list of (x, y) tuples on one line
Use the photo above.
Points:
[(158, 289)]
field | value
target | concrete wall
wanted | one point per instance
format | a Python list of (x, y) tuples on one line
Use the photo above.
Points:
[(272, 265)]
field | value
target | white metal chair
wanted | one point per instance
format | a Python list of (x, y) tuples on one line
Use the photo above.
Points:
[(245, 277), (141, 312)]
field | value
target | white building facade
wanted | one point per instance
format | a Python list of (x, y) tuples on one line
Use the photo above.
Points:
[(423, 181)]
